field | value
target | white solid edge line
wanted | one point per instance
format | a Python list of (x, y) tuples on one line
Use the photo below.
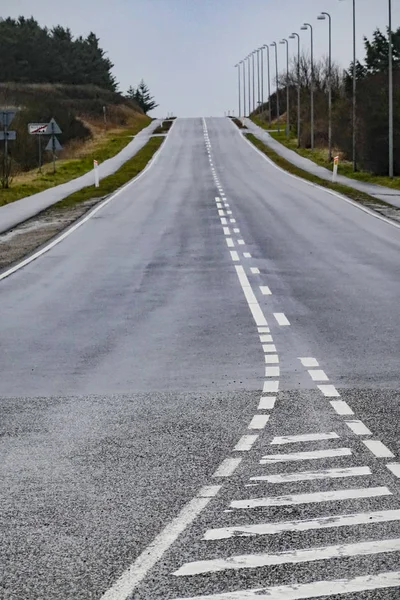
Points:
[(86, 218), (227, 467), (315, 589), (129, 580), (315, 185)]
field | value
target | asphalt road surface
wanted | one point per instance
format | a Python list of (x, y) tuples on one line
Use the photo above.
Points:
[(200, 391)]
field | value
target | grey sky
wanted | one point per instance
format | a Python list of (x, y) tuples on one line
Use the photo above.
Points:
[(186, 49)]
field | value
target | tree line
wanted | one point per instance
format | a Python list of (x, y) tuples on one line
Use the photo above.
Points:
[(372, 103), (30, 53)]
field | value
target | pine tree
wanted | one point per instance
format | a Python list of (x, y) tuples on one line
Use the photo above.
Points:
[(142, 96)]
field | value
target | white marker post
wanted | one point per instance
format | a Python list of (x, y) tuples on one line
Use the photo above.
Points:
[(335, 169), (96, 173)]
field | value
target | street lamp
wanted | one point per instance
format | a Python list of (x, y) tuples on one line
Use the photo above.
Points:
[(322, 17), (304, 28), (354, 89), (284, 41), (248, 77), (244, 87), (391, 169), (262, 77), (240, 104), (258, 77), (254, 84), (274, 45), (293, 37), (269, 83)]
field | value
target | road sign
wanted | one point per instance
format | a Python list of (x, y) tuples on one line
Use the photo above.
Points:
[(11, 136), (53, 128), (54, 144), (7, 115), (37, 128)]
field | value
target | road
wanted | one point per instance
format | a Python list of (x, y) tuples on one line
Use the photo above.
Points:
[(200, 391), (17, 212)]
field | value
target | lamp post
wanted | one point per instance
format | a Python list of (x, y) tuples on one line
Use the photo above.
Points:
[(293, 37), (269, 84), (304, 28), (244, 87), (284, 41), (391, 167), (262, 77), (240, 103), (258, 78), (274, 45), (248, 77), (354, 90), (254, 82), (322, 17)]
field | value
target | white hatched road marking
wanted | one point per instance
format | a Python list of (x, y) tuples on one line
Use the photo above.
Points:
[(245, 443), (258, 422), (267, 403), (378, 449), (314, 497), (247, 254), (227, 467), (394, 468), (329, 391), (223, 220), (318, 375), (232, 220), (358, 427), (229, 242), (252, 561), (263, 329), (311, 475), (265, 290), (241, 242), (306, 437), (341, 407), (255, 270), (308, 455), (226, 231), (307, 361), (221, 212), (327, 522), (281, 319), (316, 589), (234, 255)]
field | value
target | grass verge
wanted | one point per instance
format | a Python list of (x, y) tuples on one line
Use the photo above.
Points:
[(101, 148), (164, 127), (356, 195), (109, 184), (32, 234), (321, 157)]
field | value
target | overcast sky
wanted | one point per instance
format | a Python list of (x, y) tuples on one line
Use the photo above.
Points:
[(186, 49)]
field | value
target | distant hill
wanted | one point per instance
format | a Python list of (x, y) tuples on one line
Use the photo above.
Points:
[(78, 109)]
